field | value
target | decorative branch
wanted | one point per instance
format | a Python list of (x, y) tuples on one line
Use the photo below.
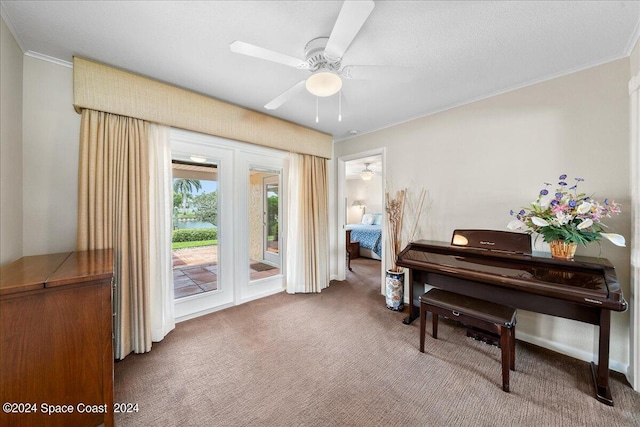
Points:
[(395, 221), (395, 213)]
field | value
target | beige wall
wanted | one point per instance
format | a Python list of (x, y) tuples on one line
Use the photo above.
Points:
[(368, 191), (10, 147), (634, 300), (634, 59), (479, 160), (50, 147)]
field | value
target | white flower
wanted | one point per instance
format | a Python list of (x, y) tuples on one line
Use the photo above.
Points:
[(584, 208), (616, 239), (562, 219), (545, 201), (539, 221), (585, 224), (516, 224)]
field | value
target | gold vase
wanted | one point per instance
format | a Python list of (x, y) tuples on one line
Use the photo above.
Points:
[(563, 250)]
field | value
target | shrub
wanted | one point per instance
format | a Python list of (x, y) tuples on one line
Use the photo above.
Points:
[(194, 234)]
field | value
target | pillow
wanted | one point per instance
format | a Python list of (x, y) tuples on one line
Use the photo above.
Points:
[(367, 219), (377, 219)]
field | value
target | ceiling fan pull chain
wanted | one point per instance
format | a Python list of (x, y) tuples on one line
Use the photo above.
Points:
[(317, 118), (340, 105)]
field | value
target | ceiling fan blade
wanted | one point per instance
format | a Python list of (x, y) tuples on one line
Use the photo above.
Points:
[(286, 95), (270, 55), (375, 72), (351, 18)]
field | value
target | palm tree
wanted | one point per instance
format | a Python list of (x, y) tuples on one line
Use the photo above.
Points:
[(186, 188)]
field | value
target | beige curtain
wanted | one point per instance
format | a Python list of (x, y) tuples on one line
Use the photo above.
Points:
[(307, 225), (160, 226), (113, 213)]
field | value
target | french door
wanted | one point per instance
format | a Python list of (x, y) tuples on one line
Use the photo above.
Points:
[(203, 271), (236, 209), (264, 224)]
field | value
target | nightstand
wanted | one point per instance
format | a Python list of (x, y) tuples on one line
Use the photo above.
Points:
[(353, 249)]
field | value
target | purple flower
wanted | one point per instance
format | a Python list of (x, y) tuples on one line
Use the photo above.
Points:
[(606, 201), (554, 202), (544, 192), (558, 195), (572, 203), (579, 179), (511, 212), (522, 212), (563, 176), (547, 184), (573, 187), (562, 183)]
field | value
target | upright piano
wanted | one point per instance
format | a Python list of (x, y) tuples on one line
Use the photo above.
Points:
[(499, 266)]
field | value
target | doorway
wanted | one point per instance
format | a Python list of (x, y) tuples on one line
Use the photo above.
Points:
[(361, 189)]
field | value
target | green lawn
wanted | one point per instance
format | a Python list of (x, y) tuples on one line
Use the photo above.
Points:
[(182, 245)]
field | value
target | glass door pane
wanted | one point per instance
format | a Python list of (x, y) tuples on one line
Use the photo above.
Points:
[(203, 264), (272, 229), (195, 229), (264, 224)]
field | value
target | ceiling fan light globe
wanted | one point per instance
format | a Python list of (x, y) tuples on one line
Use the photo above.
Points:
[(324, 83)]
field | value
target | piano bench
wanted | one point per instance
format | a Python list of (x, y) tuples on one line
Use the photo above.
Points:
[(488, 316)]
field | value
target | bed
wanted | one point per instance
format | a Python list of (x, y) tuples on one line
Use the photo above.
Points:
[(369, 234)]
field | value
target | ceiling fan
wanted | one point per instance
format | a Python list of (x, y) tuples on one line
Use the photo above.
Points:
[(323, 57)]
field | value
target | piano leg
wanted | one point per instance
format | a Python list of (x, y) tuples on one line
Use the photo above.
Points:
[(600, 371), (415, 290)]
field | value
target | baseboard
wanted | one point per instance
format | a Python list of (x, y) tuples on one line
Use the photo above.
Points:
[(229, 305), (203, 312), (586, 356), (262, 295)]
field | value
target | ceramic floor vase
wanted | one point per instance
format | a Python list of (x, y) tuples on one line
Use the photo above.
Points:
[(394, 295)]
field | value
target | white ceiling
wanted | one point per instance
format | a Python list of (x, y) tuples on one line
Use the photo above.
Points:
[(460, 51)]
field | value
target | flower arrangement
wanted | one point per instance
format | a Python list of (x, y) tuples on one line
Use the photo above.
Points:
[(568, 216)]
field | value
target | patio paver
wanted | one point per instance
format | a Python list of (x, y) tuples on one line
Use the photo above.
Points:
[(195, 270)]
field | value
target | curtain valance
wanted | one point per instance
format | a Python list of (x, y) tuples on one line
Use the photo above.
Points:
[(103, 88)]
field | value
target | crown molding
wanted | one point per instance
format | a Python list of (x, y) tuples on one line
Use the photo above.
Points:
[(48, 58)]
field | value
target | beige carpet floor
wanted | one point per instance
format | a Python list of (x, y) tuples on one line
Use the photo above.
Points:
[(341, 358)]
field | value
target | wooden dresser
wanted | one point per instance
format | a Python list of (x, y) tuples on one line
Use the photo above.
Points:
[(56, 342)]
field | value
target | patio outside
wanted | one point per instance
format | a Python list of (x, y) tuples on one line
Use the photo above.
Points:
[(195, 270)]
